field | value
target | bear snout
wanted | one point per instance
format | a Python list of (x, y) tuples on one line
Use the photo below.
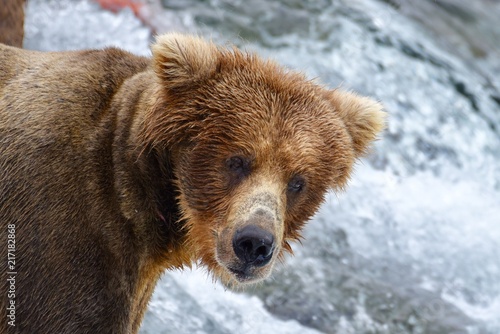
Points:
[(253, 245), (248, 250)]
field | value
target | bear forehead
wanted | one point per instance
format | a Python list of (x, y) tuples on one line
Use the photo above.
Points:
[(263, 86), (262, 96), (259, 110)]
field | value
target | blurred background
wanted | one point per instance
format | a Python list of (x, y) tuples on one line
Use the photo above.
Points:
[(413, 246)]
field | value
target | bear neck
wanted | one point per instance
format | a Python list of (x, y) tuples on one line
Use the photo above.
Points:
[(144, 178)]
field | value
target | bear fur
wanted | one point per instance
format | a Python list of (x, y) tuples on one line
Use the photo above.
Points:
[(115, 167), (12, 22)]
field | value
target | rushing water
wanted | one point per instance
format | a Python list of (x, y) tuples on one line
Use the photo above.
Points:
[(413, 246)]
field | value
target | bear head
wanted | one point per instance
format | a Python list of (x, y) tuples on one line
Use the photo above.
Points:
[(254, 148)]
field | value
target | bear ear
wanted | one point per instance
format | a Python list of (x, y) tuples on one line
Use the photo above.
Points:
[(182, 59), (363, 117)]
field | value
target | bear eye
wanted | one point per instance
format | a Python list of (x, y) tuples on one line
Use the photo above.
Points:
[(296, 184), (239, 166)]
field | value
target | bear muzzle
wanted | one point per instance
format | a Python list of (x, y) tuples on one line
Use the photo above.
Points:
[(253, 245), (253, 241)]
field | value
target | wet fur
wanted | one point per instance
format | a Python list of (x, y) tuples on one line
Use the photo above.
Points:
[(12, 22), (112, 168)]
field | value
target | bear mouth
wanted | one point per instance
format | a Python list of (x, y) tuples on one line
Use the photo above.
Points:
[(244, 275), (251, 272)]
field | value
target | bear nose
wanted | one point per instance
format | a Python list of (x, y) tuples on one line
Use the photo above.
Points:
[(253, 245)]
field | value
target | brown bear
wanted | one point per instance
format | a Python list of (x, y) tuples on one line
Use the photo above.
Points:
[(115, 167)]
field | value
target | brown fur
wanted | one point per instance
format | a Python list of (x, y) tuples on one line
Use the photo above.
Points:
[(113, 168), (12, 22)]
